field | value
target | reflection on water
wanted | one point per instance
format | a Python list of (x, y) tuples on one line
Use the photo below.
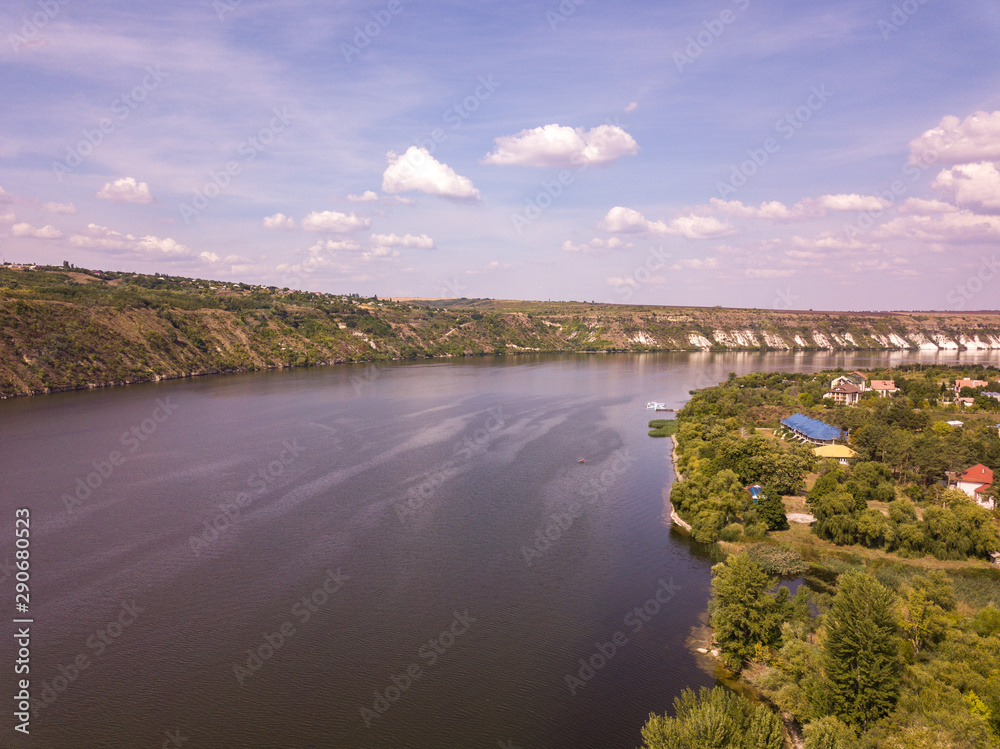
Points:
[(403, 556)]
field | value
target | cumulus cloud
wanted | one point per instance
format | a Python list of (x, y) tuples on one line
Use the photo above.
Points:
[(334, 222), (418, 170), (773, 210), (365, 197), (976, 138), (829, 241), (407, 241), (851, 202), (562, 146), (279, 221), (696, 263), (491, 267), (632, 106), (621, 220), (769, 272), (596, 246), (921, 206), (942, 227), (64, 208), (102, 238), (972, 184), (27, 230), (7, 217), (126, 190), (700, 227)]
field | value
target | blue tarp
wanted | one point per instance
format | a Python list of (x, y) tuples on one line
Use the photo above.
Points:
[(811, 428)]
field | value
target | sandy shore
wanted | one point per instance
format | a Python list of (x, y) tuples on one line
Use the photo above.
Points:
[(673, 513)]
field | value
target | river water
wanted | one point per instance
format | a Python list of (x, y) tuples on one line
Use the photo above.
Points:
[(403, 556)]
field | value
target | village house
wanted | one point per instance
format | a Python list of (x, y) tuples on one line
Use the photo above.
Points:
[(841, 453), (965, 402), (812, 430), (884, 388), (976, 483), (845, 393), (857, 379), (959, 384)]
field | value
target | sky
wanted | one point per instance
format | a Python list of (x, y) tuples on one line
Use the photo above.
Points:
[(780, 155)]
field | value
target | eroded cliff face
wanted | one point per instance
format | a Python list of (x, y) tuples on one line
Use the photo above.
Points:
[(108, 334)]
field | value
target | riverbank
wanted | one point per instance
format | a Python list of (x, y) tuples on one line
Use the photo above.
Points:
[(677, 519)]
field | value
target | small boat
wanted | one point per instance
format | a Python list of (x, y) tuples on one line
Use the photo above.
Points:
[(581, 460), (659, 406)]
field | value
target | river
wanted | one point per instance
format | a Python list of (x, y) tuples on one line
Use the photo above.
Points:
[(401, 556)]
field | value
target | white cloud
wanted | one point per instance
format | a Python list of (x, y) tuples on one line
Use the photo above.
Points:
[(64, 208), (149, 246), (407, 241), (632, 106), (977, 138), (27, 230), (621, 220), (279, 221), (210, 257), (334, 222), (491, 267), (126, 190), (772, 210), (418, 170), (972, 184), (921, 206), (365, 197), (700, 227), (851, 202), (562, 146), (596, 246), (7, 218), (829, 241), (619, 282), (942, 227), (370, 196), (695, 263)]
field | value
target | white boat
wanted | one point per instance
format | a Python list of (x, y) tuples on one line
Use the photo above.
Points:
[(658, 406)]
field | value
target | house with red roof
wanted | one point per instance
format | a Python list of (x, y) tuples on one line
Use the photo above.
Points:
[(884, 388), (959, 384), (976, 482), (845, 393)]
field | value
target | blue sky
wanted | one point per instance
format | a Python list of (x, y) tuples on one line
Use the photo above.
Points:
[(740, 153)]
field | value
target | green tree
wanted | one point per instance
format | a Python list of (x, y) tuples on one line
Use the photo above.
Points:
[(742, 612), (829, 733), (714, 719), (861, 650), (771, 510)]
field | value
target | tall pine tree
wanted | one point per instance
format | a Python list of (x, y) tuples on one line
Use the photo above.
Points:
[(861, 650)]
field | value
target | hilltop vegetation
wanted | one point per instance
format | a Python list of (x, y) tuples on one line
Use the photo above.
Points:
[(66, 327)]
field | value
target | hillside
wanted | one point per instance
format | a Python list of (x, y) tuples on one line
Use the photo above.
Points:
[(65, 328)]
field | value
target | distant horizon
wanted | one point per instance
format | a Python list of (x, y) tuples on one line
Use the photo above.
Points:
[(393, 298), (757, 156)]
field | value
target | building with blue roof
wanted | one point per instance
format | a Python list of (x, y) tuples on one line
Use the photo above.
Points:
[(812, 430)]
